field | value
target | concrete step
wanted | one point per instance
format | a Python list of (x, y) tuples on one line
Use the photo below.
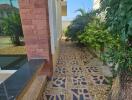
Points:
[(35, 90)]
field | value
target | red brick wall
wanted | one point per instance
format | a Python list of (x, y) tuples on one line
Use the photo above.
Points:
[(35, 22)]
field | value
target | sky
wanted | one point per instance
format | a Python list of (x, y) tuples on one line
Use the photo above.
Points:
[(73, 5), (14, 2)]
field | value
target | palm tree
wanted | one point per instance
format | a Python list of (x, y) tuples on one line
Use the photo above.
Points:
[(11, 26), (82, 11), (11, 3)]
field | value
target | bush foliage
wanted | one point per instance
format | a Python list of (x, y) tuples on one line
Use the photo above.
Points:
[(96, 36), (119, 24), (78, 24), (12, 27), (112, 35)]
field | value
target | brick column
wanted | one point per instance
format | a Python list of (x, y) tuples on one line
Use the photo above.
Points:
[(35, 23)]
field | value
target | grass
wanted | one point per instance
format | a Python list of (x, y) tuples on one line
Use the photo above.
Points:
[(15, 50), (7, 48), (5, 42)]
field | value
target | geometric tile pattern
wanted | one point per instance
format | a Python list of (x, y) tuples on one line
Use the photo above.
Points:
[(77, 76), (79, 80), (59, 82), (80, 94), (99, 79), (55, 97), (92, 69), (60, 70)]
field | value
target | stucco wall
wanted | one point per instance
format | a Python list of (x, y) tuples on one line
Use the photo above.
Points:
[(55, 22), (65, 24), (55, 26)]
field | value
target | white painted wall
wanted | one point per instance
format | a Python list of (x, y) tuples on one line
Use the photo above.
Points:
[(96, 4), (50, 7), (55, 22), (65, 24)]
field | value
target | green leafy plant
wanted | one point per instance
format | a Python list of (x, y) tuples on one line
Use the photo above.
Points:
[(11, 26), (96, 35), (78, 24), (119, 23), (82, 12), (6, 12)]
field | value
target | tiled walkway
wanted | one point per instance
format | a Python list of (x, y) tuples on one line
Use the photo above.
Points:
[(77, 76)]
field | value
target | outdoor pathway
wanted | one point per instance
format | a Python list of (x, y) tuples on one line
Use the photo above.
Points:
[(77, 76)]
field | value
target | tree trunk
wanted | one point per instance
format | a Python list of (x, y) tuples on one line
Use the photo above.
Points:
[(125, 87), (121, 88), (17, 40), (114, 93)]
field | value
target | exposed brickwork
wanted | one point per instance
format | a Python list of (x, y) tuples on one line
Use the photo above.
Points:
[(34, 16)]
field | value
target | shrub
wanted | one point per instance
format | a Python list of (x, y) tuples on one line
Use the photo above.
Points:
[(119, 23), (77, 27), (96, 36), (11, 26), (78, 24)]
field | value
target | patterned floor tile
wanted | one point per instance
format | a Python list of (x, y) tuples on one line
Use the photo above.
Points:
[(99, 80), (80, 94), (59, 82), (60, 70), (77, 76), (55, 95)]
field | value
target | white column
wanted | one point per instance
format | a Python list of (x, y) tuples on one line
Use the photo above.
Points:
[(51, 26)]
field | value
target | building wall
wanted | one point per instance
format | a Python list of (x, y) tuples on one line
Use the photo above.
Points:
[(96, 4), (42, 27), (64, 8), (55, 26), (35, 23), (65, 24)]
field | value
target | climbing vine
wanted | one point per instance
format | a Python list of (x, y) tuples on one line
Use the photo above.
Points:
[(119, 24)]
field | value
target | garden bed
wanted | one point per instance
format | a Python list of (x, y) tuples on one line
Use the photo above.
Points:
[(14, 50)]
